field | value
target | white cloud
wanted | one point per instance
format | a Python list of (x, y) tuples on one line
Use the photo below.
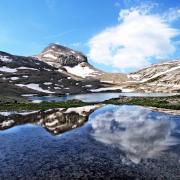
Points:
[(172, 15), (134, 131), (139, 36)]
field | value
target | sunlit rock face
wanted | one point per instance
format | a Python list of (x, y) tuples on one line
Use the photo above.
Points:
[(134, 130), (58, 55), (69, 60), (162, 77), (55, 121)]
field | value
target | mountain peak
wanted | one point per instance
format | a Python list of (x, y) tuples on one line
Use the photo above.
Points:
[(57, 47), (58, 55)]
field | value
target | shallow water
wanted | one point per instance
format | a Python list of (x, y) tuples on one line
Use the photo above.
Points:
[(117, 141), (96, 97)]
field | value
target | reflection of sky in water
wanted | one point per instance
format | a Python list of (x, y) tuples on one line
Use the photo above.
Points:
[(29, 151), (95, 97), (136, 131), (17, 129)]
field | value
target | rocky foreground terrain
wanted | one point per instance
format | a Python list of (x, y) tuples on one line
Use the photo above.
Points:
[(60, 70)]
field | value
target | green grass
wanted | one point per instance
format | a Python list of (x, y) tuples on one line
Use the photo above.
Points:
[(159, 102), (40, 106)]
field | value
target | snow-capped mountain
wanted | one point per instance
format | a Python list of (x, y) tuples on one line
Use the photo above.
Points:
[(76, 63), (60, 70), (157, 70), (63, 58), (27, 75), (158, 77)]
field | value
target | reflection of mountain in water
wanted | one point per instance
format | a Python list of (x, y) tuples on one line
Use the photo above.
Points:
[(136, 131), (54, 120)]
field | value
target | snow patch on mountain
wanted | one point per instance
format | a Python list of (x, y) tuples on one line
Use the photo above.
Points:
[(82, 71), (47, 83), (50, 56), (14, 78), (7, 69), (34, 87), (5, 58), (105, 89), (24, 68)]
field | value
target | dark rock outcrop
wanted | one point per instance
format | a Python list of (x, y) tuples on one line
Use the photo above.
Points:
[(58, 55)]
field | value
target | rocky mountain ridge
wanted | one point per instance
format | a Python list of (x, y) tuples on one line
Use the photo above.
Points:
[(60, 56), (161, 77), (66, 59), (60, 70), (75, 63), (21, 75)]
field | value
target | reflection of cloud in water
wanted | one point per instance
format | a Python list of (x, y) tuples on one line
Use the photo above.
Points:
[(134, 130)]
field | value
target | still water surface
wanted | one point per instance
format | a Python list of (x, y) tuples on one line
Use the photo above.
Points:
[(96, 97), (117, 141)]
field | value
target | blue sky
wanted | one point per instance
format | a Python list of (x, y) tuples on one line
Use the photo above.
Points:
[(29, 26)]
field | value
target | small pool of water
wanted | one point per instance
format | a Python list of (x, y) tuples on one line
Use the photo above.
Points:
[(117, 142), (95, 97)]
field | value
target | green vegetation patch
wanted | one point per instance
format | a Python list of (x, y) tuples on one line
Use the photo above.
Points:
[(171, 102), (159, 102), (40, 106)]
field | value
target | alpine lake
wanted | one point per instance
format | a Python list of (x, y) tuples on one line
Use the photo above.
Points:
[(101, 141)]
